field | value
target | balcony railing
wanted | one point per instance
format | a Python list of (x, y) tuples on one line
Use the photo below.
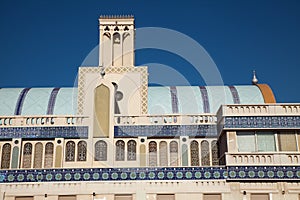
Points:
[(259, 110), (42, 120), (258, 158), (166, 119)]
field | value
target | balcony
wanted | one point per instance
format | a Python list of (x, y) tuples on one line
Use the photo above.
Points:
[(265, 159)]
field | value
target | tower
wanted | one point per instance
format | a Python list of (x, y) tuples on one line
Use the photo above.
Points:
[(116, 44)]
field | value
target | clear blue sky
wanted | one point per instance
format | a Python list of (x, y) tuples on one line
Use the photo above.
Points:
[(42, 43)]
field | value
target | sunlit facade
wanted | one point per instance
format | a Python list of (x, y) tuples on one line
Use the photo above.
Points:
[(113, 137)]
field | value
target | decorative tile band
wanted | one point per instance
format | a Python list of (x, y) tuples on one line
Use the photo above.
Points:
[(113, 174), (264, 172), (235, 94), (174, 99), (20, 101), (262, 122), (272, 173), (45, 132), (51, 102), (165, 130), (204, 95)]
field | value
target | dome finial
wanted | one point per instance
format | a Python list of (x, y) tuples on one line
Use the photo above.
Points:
[(254, 79)]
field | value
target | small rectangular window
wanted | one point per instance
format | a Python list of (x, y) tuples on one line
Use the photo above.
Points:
[(259, 196), (123, 197), (23, 198), (165, 197), (67, 197), (246, 141), (212, 197)]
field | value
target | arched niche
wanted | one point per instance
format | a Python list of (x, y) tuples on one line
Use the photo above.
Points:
[(101, 111)]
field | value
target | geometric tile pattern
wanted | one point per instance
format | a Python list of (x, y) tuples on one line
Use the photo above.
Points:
[(144, 82), (165, 130), (263, 173), (262, 122), (45, 132), (113, 174)]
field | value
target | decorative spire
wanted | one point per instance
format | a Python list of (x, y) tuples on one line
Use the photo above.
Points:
[(254, 79)]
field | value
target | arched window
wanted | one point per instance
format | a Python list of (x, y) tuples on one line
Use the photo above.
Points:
[(194, 153), (131, 150), (152, 153), (70, 151), (27, 154), (38, 155), (49, 149), (5, 158), (81, 154), (120, 150), (163, 153), (214, 152), (173, 153), (101, 151), (205, 158), (15, 158)]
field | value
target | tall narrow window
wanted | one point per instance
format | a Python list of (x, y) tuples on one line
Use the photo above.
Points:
[(101, 151), (15, 158), (173, 153), (82, 150), (27, 154), (48, 163), (70, 151), (5, 158), (120, 150), (194, 153), (214, 153), (152, 153), (131, 149), (163, 153), (185, 155), (205, 158), (38, 155)]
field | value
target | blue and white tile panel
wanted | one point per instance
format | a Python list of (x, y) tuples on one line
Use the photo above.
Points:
[(254, 122), (44, 132), (165, 130), (263, 173)]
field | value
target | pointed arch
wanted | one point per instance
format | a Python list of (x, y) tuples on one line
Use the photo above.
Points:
[(152, 154), (102, 111), (131, 150), (38, 155), (205, 157), (117, 50), (5, 158), (27, 155), (163, 153), (70, 151), (49, 150), (194, 153), (100, 151), (81, 151), (214, 152), (120, 150), (173, 153)]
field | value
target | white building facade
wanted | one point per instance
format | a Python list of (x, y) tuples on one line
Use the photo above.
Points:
[(115, 137)]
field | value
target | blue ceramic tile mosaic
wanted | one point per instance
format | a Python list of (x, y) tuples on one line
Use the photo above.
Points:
[(45, 132), (166, 130), (262, 122)]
